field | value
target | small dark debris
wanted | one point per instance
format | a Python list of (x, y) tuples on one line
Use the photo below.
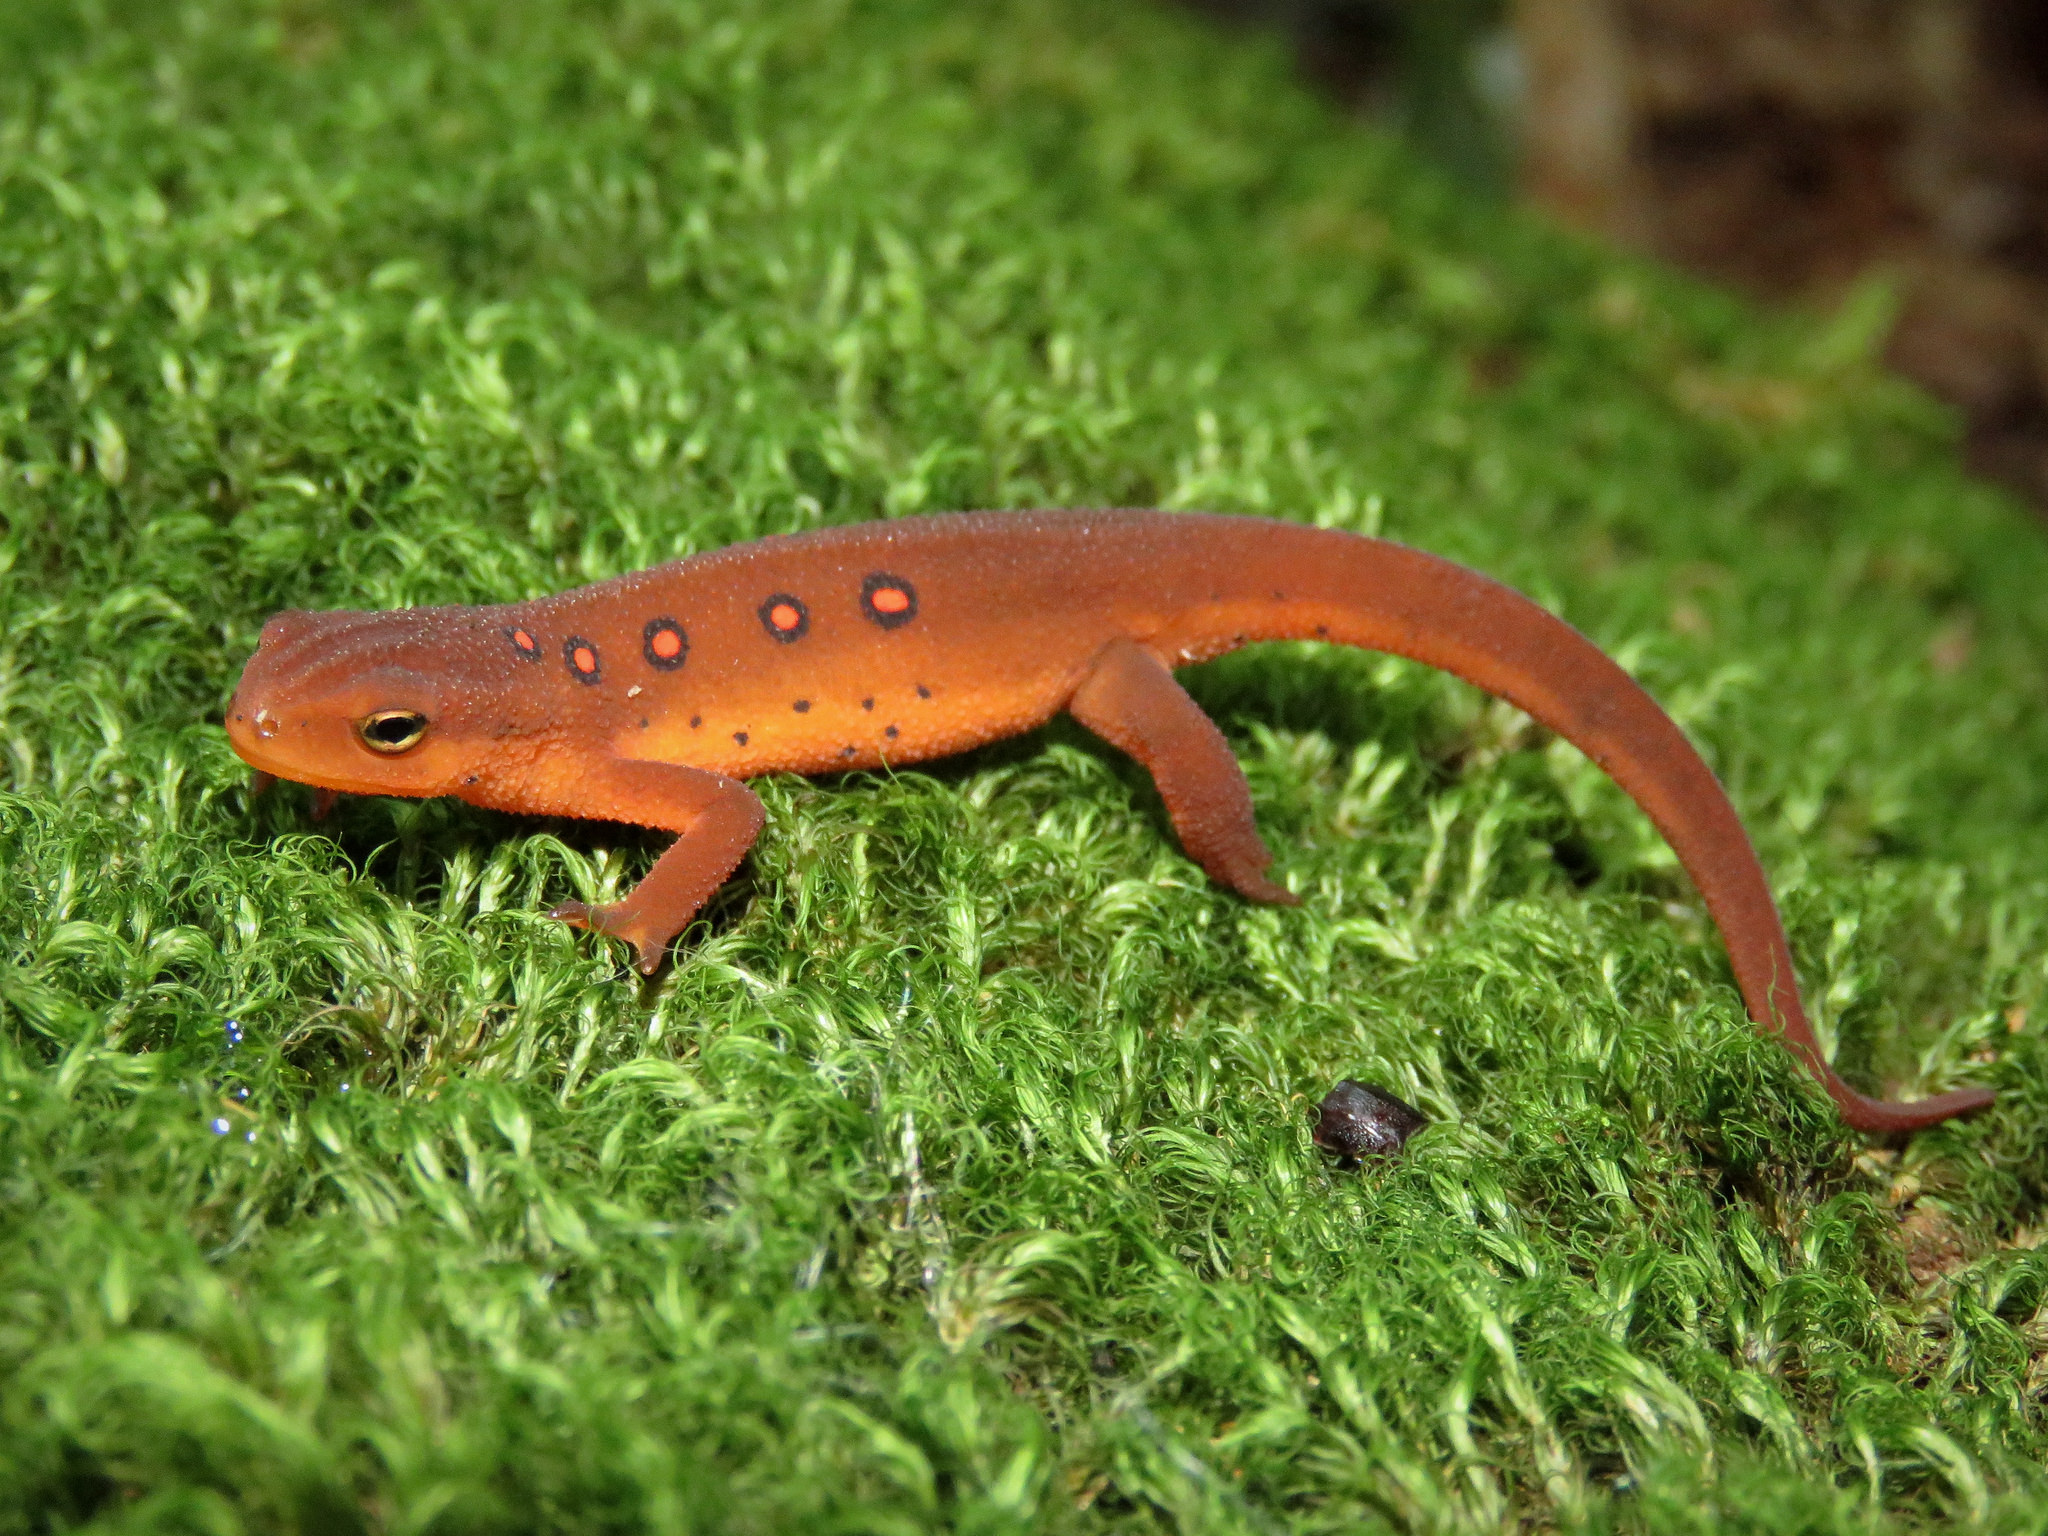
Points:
[(1357, 1120)]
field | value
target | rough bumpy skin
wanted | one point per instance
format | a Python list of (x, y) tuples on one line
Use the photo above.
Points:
[(648, 698)]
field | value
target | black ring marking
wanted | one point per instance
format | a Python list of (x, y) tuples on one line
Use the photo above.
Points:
[(654, 630), (796, 631), (577, 643), (881, 582), (523, 642)]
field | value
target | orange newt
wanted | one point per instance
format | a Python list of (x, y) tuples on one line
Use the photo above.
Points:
[(648, 698)]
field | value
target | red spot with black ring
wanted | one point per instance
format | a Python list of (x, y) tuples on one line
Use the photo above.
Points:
[(581, 654), (664, 644), (524, 643), (785, 617), (888, 600)]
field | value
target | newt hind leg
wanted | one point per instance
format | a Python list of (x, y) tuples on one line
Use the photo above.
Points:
[(1132, 702)]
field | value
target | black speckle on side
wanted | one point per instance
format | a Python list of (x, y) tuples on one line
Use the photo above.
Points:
[(1322, 631), (643, 724), (892, 733), (802, 706), (695, 721), (864, 704), (1357, 1120), (1279, 597), (923, 692), (846, 751), (740, 737)]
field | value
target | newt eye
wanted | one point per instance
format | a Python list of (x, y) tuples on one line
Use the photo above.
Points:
[(392, 730)]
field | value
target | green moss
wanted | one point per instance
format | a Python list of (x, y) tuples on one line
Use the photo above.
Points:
[(958, 1177)]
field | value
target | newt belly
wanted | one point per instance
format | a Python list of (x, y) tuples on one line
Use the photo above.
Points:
[(649, 698)]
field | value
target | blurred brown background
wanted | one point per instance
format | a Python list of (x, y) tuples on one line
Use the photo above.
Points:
[(1788, 147)]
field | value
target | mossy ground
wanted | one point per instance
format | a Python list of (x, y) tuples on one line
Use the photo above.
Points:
[(958, 1174)]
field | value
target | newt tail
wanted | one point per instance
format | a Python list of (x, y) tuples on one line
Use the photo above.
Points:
[(1386, 597), (649, 698)]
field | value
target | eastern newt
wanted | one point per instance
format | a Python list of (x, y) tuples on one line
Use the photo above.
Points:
[(648, 698)]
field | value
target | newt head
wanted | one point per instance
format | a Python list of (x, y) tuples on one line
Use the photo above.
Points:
[(364, 703)]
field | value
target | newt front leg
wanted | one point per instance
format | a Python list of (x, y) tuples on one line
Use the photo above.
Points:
[(716, 819)]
